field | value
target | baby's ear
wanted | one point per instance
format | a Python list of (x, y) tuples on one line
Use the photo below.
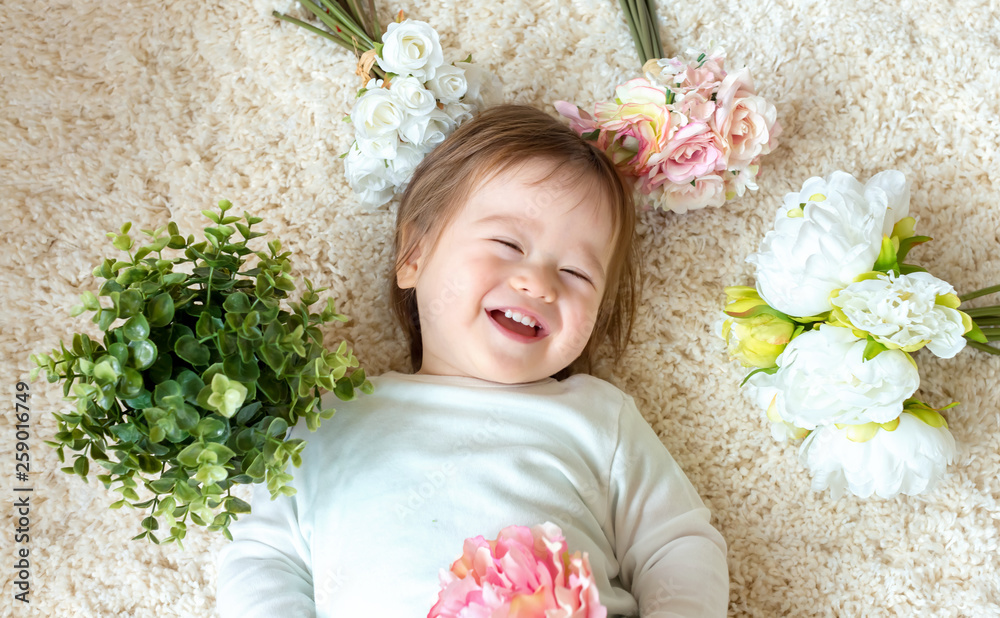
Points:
[(406, 274)]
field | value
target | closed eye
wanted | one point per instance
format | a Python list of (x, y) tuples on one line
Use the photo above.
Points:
[(508, 244), (578, 275)]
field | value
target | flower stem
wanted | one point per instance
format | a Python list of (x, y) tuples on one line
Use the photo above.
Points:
[(315, 30), (346, 21), (655, 28), (983, 312), (639, 8), (983, 347), (977, 293), (631, 21), (376, 28)]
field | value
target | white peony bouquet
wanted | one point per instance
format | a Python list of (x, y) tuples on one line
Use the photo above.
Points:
[(829, 330), (411, 99)]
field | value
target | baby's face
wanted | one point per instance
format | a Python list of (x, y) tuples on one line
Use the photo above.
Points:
[(537, 253)]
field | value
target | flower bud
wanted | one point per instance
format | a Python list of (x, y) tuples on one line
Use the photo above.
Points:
[(755, 333)]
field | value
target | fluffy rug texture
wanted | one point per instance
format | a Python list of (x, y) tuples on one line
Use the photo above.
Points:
[(150, 111)]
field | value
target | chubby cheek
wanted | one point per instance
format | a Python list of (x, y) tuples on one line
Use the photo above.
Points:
[(581, 323)]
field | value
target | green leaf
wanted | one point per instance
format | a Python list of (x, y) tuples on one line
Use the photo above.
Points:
[(160, 310), (142, 354), (873, 348), (189, 456), (136, 328), (129, 303), (237, 302), (193, 351), (81, 466), (235, 505), (887, 259)]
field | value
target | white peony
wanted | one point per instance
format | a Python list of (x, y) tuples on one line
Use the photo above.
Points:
[(909, 460), (824, 236), (448, 84), (823, 378), (411, 48), (904, 312), (763, 394), (483, 87), (377, 114), (411, 96), (368, 178)]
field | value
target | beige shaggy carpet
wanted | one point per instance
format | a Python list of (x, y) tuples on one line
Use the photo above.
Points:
[(150, 110)]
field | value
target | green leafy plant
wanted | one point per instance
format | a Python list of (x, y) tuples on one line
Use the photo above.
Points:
[(199, 375)]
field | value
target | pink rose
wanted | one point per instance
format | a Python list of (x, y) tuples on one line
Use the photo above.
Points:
[(693, 150), (746, 122), (524, 573)]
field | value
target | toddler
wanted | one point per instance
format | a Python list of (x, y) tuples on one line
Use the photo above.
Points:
[(514, 260)]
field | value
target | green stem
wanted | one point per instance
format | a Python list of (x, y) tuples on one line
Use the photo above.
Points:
[(981, 322), (323, 33), (330, 23), (651, 9), (991, 311), (983, 347), (643, 27), (630, 20), (376, 28), (345, 20), (358, 15), (977, 293)]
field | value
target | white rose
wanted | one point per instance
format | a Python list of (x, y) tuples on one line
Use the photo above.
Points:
[(412, 97), (448, 84), (381, 147), (910, 459), (904, 312), (459, 112), (368, 177), (401, 167), (822, 246), (823, 378), (483, 87), (411, 48), (426, 132), (376, 114)]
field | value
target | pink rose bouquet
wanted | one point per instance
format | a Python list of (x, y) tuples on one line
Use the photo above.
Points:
[(691, 134), (524, 573)]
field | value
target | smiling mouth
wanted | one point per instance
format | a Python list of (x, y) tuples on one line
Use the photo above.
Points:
[(516, 327)]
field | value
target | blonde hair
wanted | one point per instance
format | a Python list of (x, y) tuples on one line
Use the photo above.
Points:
[(492, 142)]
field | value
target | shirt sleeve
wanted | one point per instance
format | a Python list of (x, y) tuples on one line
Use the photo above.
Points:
[(266, 569), (671, 556)]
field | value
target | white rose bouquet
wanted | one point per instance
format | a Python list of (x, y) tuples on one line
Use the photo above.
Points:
[(829, 329), (411, 98)]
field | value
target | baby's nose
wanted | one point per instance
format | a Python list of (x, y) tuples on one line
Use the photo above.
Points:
[(537, 282)]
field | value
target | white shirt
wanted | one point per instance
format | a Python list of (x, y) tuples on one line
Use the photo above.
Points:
[(392, 485)]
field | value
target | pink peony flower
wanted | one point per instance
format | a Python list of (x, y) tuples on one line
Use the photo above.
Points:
[(524, 573)]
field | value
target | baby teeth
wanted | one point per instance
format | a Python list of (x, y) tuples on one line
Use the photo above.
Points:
[(517, 317)]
